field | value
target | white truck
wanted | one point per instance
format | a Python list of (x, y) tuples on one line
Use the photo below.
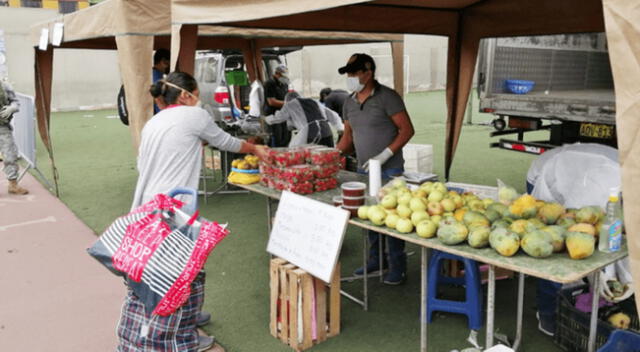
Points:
[(572, 95)]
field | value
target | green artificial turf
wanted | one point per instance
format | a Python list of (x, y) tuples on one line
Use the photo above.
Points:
[(97, 172)]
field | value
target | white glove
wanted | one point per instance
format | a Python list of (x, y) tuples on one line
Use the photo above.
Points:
[(382, 158), (8, 110)]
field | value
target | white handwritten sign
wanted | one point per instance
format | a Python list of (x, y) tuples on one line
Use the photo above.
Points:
[(308, 234)]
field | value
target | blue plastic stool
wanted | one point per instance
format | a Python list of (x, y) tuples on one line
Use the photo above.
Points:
[(472, 306), (622, 340)]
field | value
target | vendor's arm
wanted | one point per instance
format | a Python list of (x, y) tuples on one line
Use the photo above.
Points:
[(220, 139), (276, 103), (405, 131), (280, 116), (334, 119), (345, 145)]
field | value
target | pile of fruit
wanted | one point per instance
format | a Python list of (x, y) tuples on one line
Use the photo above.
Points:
[(513, 222), (249, 162), (301, 170), (245, 170)]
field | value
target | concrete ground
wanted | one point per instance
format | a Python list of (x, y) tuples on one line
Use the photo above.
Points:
[(48, 280)]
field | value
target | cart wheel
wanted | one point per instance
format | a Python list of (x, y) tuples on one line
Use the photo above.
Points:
[(499, 124)]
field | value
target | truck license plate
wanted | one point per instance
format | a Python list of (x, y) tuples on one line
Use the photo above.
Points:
[(594, 130)]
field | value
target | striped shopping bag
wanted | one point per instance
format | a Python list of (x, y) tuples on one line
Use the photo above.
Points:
[(160, 250)]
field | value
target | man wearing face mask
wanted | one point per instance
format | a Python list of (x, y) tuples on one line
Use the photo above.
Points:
[(377, 126), (274, 91)]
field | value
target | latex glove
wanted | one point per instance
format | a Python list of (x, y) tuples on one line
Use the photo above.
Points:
[(382, 157), (8, 110)]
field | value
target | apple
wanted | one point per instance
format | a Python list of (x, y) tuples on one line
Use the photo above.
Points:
[(448, 204), (435, 196), (476, 205), (458, 201), (448, 214), (453, 194), (404, 225), (436, 219), (404, 211), (362, 212), (418, 216), (391, 220), (417, 204), (376, 215), (389, 201), (440, 187), (398, 183), (427, 186), (419, 193), (434, 208), (404, 198), (391, 211), (426, 228), (487, 202)]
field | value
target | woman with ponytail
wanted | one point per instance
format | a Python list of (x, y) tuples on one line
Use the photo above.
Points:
[(170, 156)]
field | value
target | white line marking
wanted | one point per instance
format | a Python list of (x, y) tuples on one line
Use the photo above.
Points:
[(47, 219), (24, 199)]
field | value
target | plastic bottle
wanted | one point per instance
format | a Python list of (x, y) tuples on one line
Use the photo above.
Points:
[(610, 238)]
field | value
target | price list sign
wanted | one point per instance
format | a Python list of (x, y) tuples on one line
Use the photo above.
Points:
[(308, 233)]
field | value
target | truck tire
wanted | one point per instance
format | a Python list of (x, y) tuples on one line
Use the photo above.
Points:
[(499, 124)]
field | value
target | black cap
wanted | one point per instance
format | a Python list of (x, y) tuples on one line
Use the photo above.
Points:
[(358, 62)]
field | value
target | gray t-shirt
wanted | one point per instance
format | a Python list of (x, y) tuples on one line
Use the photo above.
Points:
[(373, 129)]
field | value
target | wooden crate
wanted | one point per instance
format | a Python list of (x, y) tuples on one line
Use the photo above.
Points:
[(293, 295)]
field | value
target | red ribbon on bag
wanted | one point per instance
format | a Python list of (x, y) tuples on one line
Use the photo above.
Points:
[(211, 233)]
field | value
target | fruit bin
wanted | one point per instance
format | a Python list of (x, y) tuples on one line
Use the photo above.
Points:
[(572, 325), (290, 284), (479, 190), (324, 156), (283, 157)]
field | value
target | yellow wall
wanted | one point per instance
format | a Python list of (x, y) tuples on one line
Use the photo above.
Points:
[(14, 3), (50, 4), (83, 5)]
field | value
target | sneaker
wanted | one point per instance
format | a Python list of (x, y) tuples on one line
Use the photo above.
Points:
[(546, 324), (205, 342), (395, 278), (202, 319), (372, 267)]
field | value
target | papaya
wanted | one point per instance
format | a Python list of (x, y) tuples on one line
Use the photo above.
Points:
[(504, 241), (549, 213), (504, 222), (519, 227), (537, 244), (474, 218), (499, 208), (557, 236), (589, 215), (452, 232), (580, 245), (492, 215), (479, 236), (583, 227), (566, 222)]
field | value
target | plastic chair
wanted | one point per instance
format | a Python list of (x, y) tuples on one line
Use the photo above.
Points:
[(472, 306), (622, 340)]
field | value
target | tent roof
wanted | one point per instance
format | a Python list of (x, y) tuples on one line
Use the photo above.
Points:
[(97, 26), (440, 17)]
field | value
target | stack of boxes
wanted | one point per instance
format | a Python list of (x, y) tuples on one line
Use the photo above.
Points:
[(302, 170)]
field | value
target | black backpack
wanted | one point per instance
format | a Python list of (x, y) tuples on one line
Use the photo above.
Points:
[(122, 107)]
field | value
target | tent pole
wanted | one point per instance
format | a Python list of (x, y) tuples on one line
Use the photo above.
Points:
[(43, 79), (188, 44)]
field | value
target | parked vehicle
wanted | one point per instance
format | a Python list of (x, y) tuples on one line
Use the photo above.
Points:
[(560, 83), (217, 96)]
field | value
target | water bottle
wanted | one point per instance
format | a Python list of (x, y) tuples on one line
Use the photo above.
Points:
[(610, 238)]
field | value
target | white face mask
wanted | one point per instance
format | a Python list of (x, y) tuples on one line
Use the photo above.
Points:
[(284, 80), (354, 85)]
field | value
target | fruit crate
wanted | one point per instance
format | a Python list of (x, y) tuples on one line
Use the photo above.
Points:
[(314, 315), (479, 190), (572, 325)]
